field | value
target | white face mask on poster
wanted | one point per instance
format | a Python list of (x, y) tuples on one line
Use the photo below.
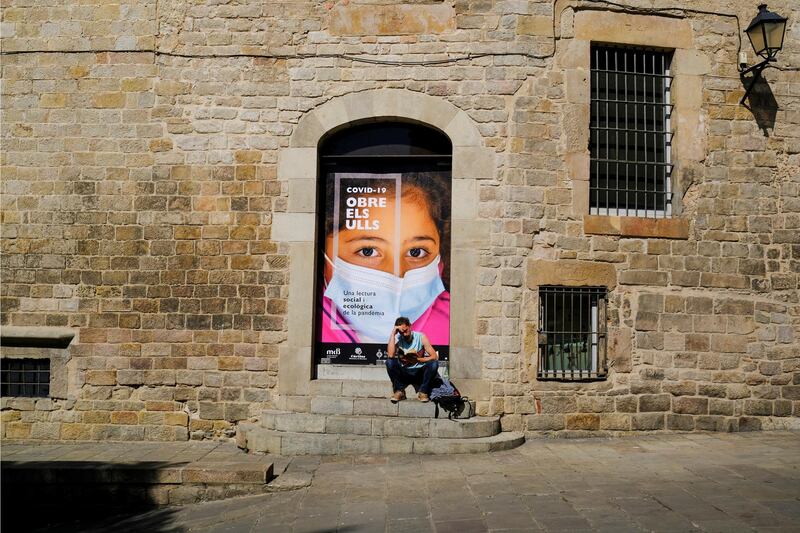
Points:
[(371, 300)]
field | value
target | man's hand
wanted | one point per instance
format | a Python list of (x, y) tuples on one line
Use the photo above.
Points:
[(431, 354), (425, 358)]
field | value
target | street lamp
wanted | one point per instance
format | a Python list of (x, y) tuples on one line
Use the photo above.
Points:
[(765, 32)]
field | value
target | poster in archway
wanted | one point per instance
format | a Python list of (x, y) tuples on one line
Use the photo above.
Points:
[(385, 253)]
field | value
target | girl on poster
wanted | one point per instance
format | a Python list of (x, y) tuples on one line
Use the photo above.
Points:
[(385, 256)]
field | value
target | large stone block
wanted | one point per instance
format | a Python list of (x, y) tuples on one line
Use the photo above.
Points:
[(309, 444), (647, 421), (396, 445), (303, 195), (463, 276), (295, 373), (571, 273), (293, 227), (644, 30), (710, 423), (690, 406), (680, 422), (615, 421), (349, 425), (758, 407), (471, 235), (359, 445), (465, 199), (559, 404), (407, 427), (45, 430), (332, 405), (263, 441), (643, 277), (534, 25), (663, 228), (470, 162), (654, 402), (399, 19), (585, 421), (211, 411), (374, 406), (545, 422), (297, 164), (301, 422), (416, 409)]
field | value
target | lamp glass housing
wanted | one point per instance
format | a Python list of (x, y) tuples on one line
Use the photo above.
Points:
[(766, 32)]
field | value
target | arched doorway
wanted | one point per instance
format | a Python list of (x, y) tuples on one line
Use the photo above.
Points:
[(383, 245)]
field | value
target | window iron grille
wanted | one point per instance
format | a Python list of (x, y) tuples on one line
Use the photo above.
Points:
[(630, 134), (572, 333), (25, 377)]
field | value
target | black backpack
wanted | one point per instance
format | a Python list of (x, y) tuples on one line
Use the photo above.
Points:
[(446, 396)]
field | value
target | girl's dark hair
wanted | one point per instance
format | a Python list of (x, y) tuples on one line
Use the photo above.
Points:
[(433, 188)]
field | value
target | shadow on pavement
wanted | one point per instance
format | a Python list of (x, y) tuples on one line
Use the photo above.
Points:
[(79, 495)]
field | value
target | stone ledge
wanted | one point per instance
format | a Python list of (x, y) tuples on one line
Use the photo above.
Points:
[(661, 228), (36, 336), (570, 273)]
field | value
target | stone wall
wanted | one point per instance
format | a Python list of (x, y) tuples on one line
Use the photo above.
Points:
[(139, 190)]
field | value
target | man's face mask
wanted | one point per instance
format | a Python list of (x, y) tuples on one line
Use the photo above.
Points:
[(370, 300)]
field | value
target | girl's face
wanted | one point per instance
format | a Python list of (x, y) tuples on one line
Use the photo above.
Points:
[(418, 243)]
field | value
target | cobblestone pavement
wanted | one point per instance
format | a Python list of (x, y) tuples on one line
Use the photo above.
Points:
[(687, 482)]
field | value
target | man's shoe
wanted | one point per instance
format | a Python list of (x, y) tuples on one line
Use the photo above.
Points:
[(423, 397), (398, 396)]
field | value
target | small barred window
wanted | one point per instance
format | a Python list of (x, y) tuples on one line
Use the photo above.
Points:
[(25, 377), (630, 132), (572, 333)]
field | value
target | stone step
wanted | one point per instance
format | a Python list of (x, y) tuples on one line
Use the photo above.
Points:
[(360, 373), (352, 388), (258, 439), (150, 472), (347, 405), (380, 425)]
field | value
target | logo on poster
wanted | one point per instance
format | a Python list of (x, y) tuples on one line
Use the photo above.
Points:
[(359, 355)]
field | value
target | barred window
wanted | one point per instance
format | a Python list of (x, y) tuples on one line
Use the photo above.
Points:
[(572, 333), (630, 135), (25, 377)]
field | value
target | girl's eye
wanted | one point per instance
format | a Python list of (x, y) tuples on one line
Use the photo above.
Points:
[(417, 253), (367, 252)]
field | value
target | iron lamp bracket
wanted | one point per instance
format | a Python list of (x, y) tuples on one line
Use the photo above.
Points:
[(756, 69)]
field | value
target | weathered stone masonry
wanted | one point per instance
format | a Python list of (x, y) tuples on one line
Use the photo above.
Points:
[(139, 191)]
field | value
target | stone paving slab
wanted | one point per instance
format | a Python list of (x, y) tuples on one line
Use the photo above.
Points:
[(680, 482)]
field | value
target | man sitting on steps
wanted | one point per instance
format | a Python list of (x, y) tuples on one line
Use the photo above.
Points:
[(411, 360)]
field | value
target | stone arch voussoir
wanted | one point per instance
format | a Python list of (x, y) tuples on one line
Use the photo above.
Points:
[(297, 165)]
